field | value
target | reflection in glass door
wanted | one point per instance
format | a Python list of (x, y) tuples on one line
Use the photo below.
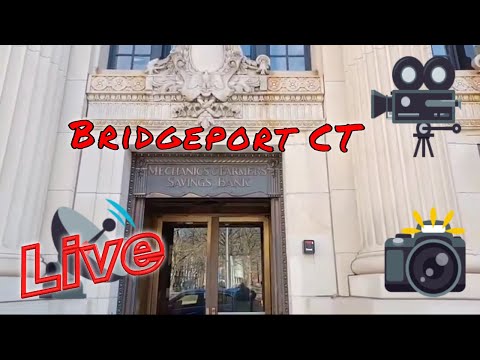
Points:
[(214, 266), (240, 269), (188, 271)]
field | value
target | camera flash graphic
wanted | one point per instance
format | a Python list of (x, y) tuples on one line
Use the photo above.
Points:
[(433, 227)]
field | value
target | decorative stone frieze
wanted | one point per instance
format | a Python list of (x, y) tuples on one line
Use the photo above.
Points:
[(467, 87), (229, 90)]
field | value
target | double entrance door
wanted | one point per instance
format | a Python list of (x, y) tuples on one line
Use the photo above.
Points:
[(215, 265)]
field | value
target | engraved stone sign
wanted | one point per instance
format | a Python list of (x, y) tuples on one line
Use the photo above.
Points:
[(208, 180)]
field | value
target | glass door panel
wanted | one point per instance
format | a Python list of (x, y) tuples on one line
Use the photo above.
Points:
[(214, 266), (182, 280), (188, 272), (240, 268)]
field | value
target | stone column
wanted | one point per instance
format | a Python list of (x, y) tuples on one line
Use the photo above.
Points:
[(340, 172), (66, 161), (31, 92), (307, 208), (476, 59), (390, 182), (83, 179)]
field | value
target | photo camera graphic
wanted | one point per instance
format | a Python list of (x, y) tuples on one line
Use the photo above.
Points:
[(409, 105), (428, 259)]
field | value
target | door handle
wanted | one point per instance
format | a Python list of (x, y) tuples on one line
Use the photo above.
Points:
[(211, 311)]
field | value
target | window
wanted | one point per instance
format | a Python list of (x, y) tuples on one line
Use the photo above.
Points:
[(247, 50), (283, 57), (460, 55), (224, 298), (188, 300), (135, 57)]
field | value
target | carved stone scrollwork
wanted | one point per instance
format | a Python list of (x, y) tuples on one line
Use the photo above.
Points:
[(467, 87), (122, 83), (208, 105), (204, 87), (467, 82), (206, 122)]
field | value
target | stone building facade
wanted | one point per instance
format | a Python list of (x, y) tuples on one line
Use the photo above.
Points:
[(348, 203)]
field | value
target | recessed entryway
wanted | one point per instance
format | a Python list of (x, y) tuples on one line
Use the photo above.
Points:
[(225, 245)]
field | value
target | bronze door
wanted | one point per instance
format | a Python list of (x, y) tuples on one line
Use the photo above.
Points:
[(215, 265)]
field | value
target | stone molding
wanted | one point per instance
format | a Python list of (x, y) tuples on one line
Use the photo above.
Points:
[(240, 92), (106, 84), (467, 87)]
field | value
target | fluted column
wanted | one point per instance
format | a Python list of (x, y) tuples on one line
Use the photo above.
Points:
[(44, 151), (33, 81), (390, 182), (12, 63), (65, 161), (476, 59)]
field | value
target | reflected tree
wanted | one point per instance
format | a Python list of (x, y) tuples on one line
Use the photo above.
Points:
[(244, 256), (244, 262), (188, 258)]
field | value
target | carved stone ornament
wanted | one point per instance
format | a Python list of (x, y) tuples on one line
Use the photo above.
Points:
[(206, 76)]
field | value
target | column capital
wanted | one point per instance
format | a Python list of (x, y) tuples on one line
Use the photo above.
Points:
[(476, 62)]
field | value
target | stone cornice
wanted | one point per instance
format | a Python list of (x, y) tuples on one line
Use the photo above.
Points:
[(114, 85), (260, 97), (285, 99), (228, 124), (162, 96), (467, 88)]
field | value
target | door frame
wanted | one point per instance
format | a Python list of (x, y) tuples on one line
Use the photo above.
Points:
[(213, 222), (127, 287)]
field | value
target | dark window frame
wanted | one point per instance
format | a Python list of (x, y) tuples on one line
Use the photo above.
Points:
[(157, 51), (458, 57), (256, 50), (162, 51)]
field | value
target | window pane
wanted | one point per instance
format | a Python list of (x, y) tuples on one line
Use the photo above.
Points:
[(240, 270), (278, 50), (190, 299), (185, 279), (123, 62), (247, 50), (296, 49), (125, 49), (143, 49), (278, 63), (296, 63), (470, 51), (166, 50), (439, 50), (140, 62)]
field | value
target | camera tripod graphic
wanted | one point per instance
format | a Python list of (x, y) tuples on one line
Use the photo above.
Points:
[(410, 105), (424, 133)]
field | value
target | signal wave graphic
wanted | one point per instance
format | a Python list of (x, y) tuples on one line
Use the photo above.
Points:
[(122, 211)]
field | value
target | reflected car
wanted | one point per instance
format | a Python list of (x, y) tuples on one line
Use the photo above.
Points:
[(192, 302)]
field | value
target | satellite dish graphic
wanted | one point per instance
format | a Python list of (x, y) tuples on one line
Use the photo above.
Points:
[(68, 222)]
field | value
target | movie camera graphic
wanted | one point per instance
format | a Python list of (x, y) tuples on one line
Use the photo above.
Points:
[(409, 105)]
